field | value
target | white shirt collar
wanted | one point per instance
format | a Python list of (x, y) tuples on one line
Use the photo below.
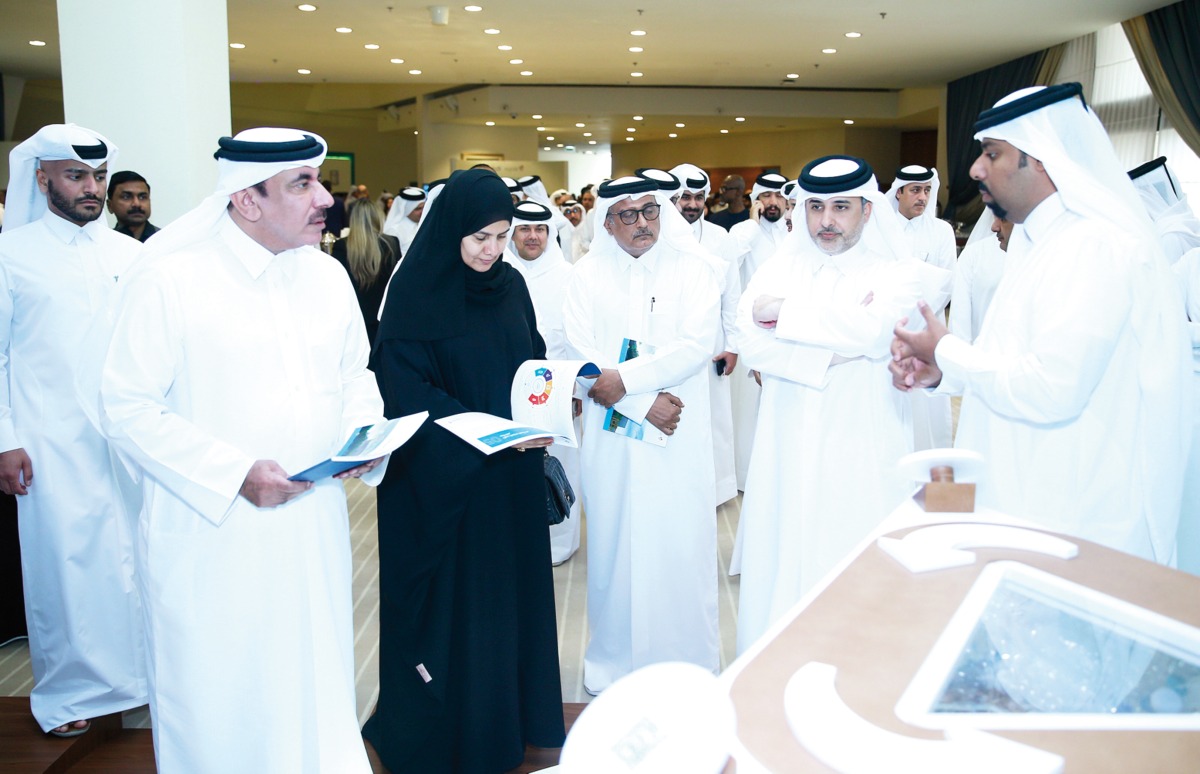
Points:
[(66, 231), (253, 256)]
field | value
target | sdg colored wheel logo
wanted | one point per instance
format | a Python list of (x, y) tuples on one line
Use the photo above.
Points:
[(543, 384)]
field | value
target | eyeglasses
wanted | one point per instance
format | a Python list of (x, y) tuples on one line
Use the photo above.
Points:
[(629, 217)]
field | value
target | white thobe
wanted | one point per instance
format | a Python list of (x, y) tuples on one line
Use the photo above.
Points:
[(754, 244), (1074, 389), (85, 628), (547, 281), (976, 277), (224, 354), (716, 241), (404, 230), (581, 238), (652, 533), (1187, 269), (823, 473), (932, 241)]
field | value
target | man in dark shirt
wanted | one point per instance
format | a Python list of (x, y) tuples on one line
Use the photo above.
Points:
[(129, 202), (733, 192)]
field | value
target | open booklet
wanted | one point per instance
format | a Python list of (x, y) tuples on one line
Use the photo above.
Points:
[(615, 421), (541, 408), (365, 444)]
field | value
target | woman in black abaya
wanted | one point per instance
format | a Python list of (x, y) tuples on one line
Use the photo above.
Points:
[(468, 641)]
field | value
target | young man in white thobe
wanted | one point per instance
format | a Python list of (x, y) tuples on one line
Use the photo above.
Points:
[(1074, 392), (238, 358), (536, 254), (404, 216), (913, 194), (59, 265), (652, 532), (977, 275), (689, 196), (816, 323)]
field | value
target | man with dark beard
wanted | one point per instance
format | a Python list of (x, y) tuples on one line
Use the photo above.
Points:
[(129, 202), (59, 263)]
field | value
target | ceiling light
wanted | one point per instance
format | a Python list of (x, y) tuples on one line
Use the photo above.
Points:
[(637, 33), (571, 147), (306, 7), (793, 76), (591, 142), (630, 129), (541, 128), (637, 118), (527, 72), (672, 134), (37, 42), (397, 61), (416, 131), (489, 123), (854, 34), (636, 49), (635, 75), (516, 61), (504, 48), (724, 131), (848, 121), (628, 139), (472, 8), (546, 148), (829, 51), (343, 30), (679, 126), (303, 71), (371, 46), (231, 45), (549, 139), (559, 145), (587, 134), (414, 72), (740, 119), (491, 31), (580, 125), (536, 116)]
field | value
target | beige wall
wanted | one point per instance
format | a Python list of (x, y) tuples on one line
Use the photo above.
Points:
[(442, 145)]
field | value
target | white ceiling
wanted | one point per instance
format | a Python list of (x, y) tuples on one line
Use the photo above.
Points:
[(699, 43)]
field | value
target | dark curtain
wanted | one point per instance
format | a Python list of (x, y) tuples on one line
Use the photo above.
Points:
[(1175, 31), (966, 98)]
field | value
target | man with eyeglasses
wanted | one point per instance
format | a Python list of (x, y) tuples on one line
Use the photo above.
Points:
[(645, 307)]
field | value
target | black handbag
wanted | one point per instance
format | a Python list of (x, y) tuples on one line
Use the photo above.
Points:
[(559, 494)]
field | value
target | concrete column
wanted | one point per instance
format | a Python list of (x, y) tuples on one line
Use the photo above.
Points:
[(154, 78)]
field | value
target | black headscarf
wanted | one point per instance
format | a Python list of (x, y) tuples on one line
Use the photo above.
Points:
[(427, 296)]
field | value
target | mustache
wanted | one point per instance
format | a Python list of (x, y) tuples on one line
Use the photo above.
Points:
[(984, 189), (83, 199), (829, 232), (642, 232)]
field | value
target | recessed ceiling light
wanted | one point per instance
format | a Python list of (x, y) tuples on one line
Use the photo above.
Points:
[(489, 123), (491, 31), (546, 148), (637, 33), (414, 72), (559, 145), (504, 48), (635, 75), (397, 61), (793, 75), (740, 119), (549, 139), (416, 131), (636, 49), (854, 34), (343, 30), (37, 42), (231, 45), (536, 116), (679, 126), (541, 128), (304, 71), (591, 142), (587, 134), (472, 8), (570, 147), (579, 125), (672, 134), (847, 121), (630, 129), (724, 131), (637, 118), (371, 46), (516, 61), (628, 139), (829, 51), (306, 7), (527, 72)]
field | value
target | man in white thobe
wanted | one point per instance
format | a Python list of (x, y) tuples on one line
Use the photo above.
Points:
[(59, 263), (689, 197), (1074, 391), (977, 274), (1167, 205), (239, 357), (534, 190), (534, 252), (913, 194), (1187, 270), (404, 216), (816, 323), (578, 246), (652, 533)]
